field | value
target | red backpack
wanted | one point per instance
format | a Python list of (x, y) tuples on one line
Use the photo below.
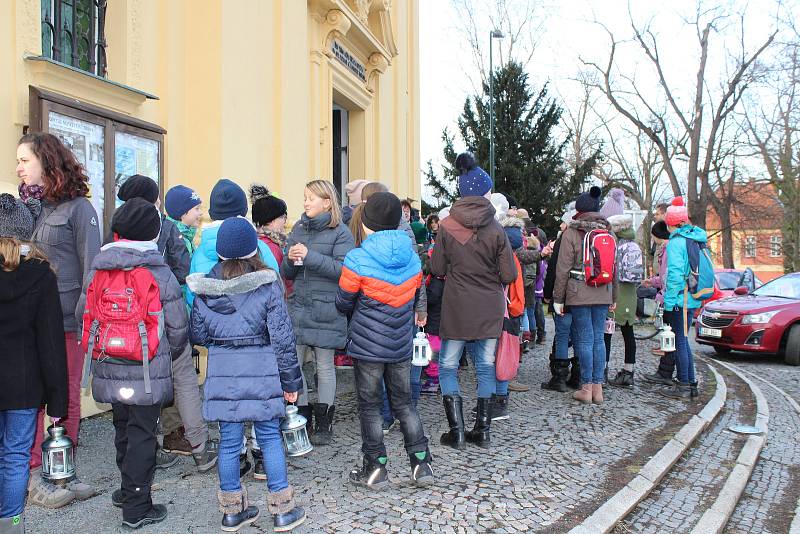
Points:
[(123, 320), (599, 257)]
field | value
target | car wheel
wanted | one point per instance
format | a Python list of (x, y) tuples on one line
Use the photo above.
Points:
[(722, 351), (791, 354)]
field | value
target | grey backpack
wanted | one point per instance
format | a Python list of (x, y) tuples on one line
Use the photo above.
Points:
[(630, 264)]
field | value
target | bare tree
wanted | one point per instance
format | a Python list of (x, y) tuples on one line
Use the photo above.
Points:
[(680, 132)]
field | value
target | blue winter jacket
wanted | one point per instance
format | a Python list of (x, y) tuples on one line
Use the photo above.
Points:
[(205, 255), (678, 267), (378, 284), (252, 358)]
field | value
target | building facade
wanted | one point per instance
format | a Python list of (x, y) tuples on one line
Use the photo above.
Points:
[(188, 91)]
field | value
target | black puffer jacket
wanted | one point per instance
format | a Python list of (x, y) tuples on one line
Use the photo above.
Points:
[(435, 291), (173, 248)]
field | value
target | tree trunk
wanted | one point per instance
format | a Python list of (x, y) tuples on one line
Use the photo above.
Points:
[(727, 238)]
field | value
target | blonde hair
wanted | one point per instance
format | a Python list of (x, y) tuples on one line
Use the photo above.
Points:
[(11, 255), (326, 191), (356, 226)]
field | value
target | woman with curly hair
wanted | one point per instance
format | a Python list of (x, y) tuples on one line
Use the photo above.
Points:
[(68, 233)]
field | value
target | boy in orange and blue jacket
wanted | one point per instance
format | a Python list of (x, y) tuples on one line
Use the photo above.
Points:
[(377, 288)]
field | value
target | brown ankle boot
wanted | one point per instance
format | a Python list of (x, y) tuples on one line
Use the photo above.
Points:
[(584, 394), (597, 393)]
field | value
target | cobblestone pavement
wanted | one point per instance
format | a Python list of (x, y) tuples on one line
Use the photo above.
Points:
[(770, 498), (684, 494), (549, 467)]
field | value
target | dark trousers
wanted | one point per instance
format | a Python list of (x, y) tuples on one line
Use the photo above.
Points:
[(539, 313), (630, 343), (136, 445), (369, 389)]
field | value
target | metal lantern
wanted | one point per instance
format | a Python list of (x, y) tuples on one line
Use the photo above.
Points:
[(295, 435), (422, 350), (667, 339), (58, 456)]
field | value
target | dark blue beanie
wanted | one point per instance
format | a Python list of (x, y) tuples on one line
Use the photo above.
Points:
[(227, 200), (514, 234), (236, 239), (474, 183), (179, 200)]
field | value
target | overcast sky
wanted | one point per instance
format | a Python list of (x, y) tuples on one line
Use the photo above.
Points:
[(568, 32)]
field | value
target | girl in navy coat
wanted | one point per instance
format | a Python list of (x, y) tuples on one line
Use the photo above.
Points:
[(240, 314)]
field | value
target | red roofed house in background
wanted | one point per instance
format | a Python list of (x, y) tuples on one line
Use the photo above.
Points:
[(756, 218)]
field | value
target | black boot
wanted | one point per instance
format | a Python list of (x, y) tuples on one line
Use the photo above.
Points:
[(372, 475), (479, 435), (421, 472), (558, 382), (666, 368), (454, 411), (693, 391), (623, 378), (308, 413), (499, 407), (244, 465), (235, 509), (258, 464), (574, 380), (323, 424)]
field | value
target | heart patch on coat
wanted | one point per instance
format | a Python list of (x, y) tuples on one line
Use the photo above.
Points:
[(126, 393)]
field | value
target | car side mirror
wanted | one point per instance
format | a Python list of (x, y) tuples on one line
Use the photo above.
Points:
[(741, 290)]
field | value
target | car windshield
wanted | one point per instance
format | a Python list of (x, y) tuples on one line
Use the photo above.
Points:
[(785, 286)]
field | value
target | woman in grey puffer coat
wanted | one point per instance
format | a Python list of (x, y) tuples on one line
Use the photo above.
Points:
[(316, 248)]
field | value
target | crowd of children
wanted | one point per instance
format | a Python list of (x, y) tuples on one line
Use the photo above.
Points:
[(362, 279)]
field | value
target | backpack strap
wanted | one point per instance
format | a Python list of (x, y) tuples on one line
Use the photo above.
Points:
[(145, 357), (87, 362)]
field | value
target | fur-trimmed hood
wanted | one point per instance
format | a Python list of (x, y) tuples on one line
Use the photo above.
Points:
[(512, 222), (589, 221), (620, 222), (201, 284)]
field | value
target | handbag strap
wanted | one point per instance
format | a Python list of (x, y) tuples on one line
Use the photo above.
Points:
[(505, 292)]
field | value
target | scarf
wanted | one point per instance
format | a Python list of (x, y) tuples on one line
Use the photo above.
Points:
[(276, 237), (188, 233), (30, 191)]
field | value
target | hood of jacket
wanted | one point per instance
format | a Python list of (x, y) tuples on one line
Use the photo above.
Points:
[(473, 212), (512, 222), (691, 232), (392, 249), (16, 283), (589, 221), (125, 254), (225, 296), (320, 222), (208, 241)]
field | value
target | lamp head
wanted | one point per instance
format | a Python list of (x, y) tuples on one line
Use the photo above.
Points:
[(497, 34)]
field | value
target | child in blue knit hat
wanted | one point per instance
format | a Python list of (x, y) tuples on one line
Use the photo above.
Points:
[(184, 208)]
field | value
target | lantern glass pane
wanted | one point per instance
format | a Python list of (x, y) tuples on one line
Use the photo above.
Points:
[(57, 462)]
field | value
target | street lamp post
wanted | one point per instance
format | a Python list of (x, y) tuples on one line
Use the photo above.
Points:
[(494, 34)]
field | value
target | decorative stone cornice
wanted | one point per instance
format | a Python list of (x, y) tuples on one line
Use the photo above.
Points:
[(378, 63), (336, 25)]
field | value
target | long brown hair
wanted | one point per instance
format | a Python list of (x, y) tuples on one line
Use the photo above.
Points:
[(64, 178), (11, 255), (237, 267)]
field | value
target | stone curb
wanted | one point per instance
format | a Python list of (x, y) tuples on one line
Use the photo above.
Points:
[(605, 518), (715, 518)]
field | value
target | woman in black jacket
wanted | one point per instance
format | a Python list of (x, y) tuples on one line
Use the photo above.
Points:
[(32, 353)]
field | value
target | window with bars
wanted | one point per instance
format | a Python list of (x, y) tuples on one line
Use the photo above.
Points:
[(775, 245), (73, 33), (750, 246)]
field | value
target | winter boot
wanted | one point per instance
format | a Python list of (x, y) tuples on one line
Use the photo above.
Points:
[(694, 392), (574, 380), (286, 515), (480, 433), (323, 424), (421, 472), (12, 525), (454, 411), (258, 464), (308, 413), (560, 372), (244, 465), (157, 514), (372, 475), (499, 407), (236, 513), (207, 458), (666, 368), (623, 378), (680, 390), (597, 393), (584, 394)]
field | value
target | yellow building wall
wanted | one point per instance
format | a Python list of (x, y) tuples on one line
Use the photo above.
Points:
[(245, 88)]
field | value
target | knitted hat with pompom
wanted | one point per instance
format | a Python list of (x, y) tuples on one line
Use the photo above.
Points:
[(677, 213)]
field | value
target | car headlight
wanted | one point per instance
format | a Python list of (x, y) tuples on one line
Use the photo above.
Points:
[(759, 318)]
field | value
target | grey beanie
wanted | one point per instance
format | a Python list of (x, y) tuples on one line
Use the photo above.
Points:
[(17, 218)]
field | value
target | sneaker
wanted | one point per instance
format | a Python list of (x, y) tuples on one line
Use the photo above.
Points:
[(518, 387), (157, 514), (372, 475), (421, 472), (656, 378), (208, 458), (233, 522), (46, 494), (244, 465), (623, 378), (116, 498), (176, 443), (677, 391), (258, 468), (81, 490), (165, 459), (388, 426)]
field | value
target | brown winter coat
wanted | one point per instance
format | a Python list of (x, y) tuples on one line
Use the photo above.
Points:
[(473, 252), (572, 292)]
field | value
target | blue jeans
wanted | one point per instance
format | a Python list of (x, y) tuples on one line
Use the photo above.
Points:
[(564, 331), (17, 429), (269, 438), (684, 360), (483, 356), (589, 322)]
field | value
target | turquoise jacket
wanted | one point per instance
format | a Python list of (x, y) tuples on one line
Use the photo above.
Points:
[(678, 267), (205, 255)]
